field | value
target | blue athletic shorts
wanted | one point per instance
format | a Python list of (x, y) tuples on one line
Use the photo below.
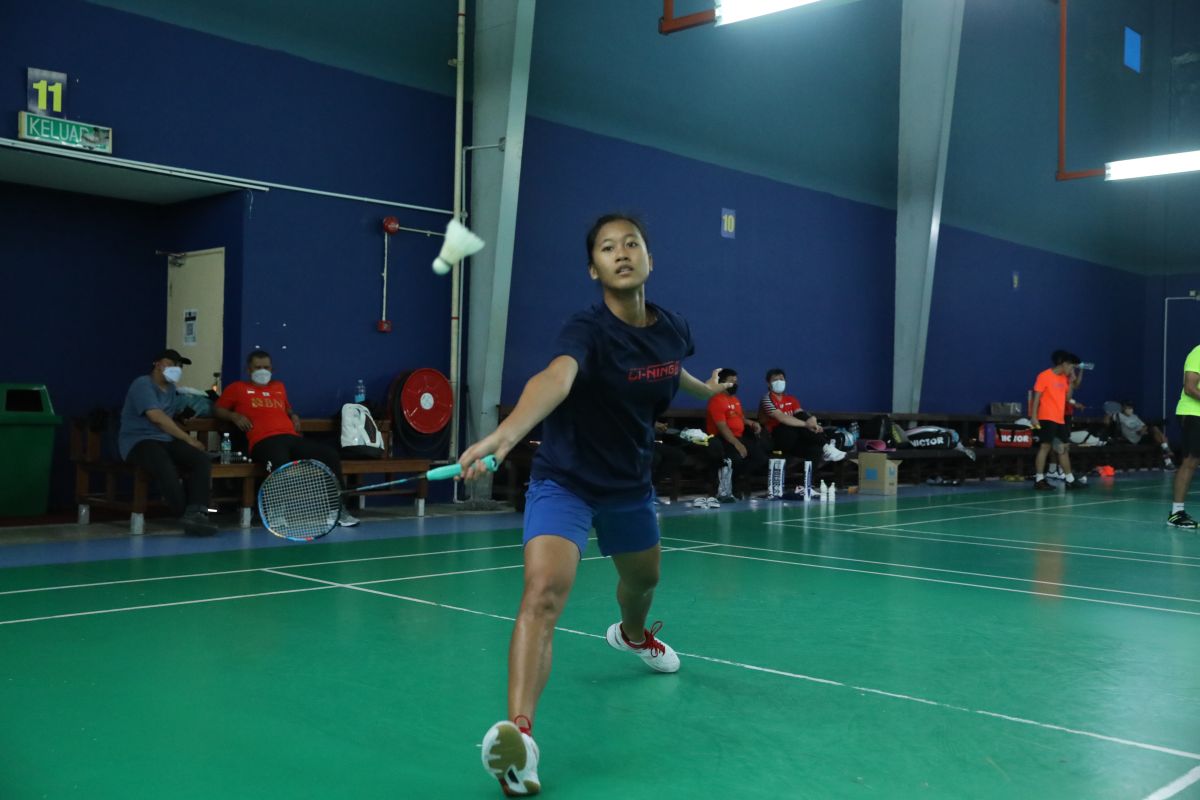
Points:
[(625, 527)]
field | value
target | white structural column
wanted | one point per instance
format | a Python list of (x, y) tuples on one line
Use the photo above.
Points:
[(930, 32), (503, 41)]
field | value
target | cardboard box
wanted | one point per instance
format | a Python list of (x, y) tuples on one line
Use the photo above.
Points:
[(1005, 409), (877, 474)]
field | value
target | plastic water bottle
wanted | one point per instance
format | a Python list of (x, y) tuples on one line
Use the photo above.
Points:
[(1087, 365), (360, 391), (226, 449)]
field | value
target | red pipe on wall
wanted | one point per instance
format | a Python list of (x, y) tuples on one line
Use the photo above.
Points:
[(668, 23), (1062, 174)]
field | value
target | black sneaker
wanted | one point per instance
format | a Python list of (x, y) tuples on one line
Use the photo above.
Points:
[(1180, 519), (197, 523), (1043, 486), (1074, 486)]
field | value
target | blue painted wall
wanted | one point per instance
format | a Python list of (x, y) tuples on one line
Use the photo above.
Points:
[(302, 272), (805, 285), (183, 98), (988, 340)]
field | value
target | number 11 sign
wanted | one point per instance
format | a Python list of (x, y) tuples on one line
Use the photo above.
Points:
[(47, 92)]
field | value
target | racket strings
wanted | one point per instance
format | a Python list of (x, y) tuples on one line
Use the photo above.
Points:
[(300, 500)]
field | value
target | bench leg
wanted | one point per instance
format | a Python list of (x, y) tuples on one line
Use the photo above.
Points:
[(85, 514), (420, 506), (246, 517), (137, 523)]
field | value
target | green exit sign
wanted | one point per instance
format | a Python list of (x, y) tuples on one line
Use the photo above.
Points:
[(63, 132)]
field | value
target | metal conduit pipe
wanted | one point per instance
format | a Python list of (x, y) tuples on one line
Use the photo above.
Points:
[(456, 273)]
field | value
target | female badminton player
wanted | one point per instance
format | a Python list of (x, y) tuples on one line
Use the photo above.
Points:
[(616, 367)]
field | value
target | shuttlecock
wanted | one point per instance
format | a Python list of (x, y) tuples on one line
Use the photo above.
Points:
[(459, 244)]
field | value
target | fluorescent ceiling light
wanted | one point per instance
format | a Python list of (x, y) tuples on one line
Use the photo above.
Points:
[(1154, 165), (729, 11)]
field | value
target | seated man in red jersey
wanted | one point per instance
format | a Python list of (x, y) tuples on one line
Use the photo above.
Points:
[(735, 438), (793, 430), (260, 408)]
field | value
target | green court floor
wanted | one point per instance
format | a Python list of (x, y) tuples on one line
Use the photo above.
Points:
[(989, 645)]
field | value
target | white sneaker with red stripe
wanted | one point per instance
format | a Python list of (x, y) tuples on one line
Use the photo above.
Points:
[(510, 755), (657, 654)]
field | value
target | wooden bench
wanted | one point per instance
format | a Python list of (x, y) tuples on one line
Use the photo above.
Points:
[(87, 455), (697, 475)]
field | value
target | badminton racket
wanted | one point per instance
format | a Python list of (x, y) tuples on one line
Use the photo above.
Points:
[(301, 500)]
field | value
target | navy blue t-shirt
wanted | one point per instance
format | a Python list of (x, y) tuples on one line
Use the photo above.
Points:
[(599, 442)]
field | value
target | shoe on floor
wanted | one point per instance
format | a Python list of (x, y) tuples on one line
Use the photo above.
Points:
[(1075, 485), (511, 756), (727, 499), (657, 654), (712, 502), (1043, 486), (1180, 519), (831, 453), (197, 523), (346, 519)]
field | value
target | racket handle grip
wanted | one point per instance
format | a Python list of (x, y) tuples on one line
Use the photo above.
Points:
[(454, 470)]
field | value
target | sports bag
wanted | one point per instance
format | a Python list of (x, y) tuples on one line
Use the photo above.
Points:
[(361, 437)]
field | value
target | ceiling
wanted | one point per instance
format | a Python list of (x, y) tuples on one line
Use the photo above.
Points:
[(810, 97)]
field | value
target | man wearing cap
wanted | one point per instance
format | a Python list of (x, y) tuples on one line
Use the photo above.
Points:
[(150, 439)]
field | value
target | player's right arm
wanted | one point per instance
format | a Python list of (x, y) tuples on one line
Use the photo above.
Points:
[(160, 418), (1191, 385), (226, 409), (543, 393), (727, 434)]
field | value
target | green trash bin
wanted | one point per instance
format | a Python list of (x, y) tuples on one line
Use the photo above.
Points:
[(27, 423)]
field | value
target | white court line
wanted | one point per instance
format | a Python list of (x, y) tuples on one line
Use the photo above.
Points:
[(323, 584), (1157, 523), (994, 514), (158, 605), (803, 554), (793, 675), (1176, 786), (273, 570), (1051, 595), (700, 546), (991, 541), (257, 569), (940, 507)]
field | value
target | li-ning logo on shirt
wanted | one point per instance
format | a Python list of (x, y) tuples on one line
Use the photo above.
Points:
[(657, 372)]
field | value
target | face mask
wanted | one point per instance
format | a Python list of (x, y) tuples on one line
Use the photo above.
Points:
[(732, 389), (173, 374), (778, 386), (261, 376)]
